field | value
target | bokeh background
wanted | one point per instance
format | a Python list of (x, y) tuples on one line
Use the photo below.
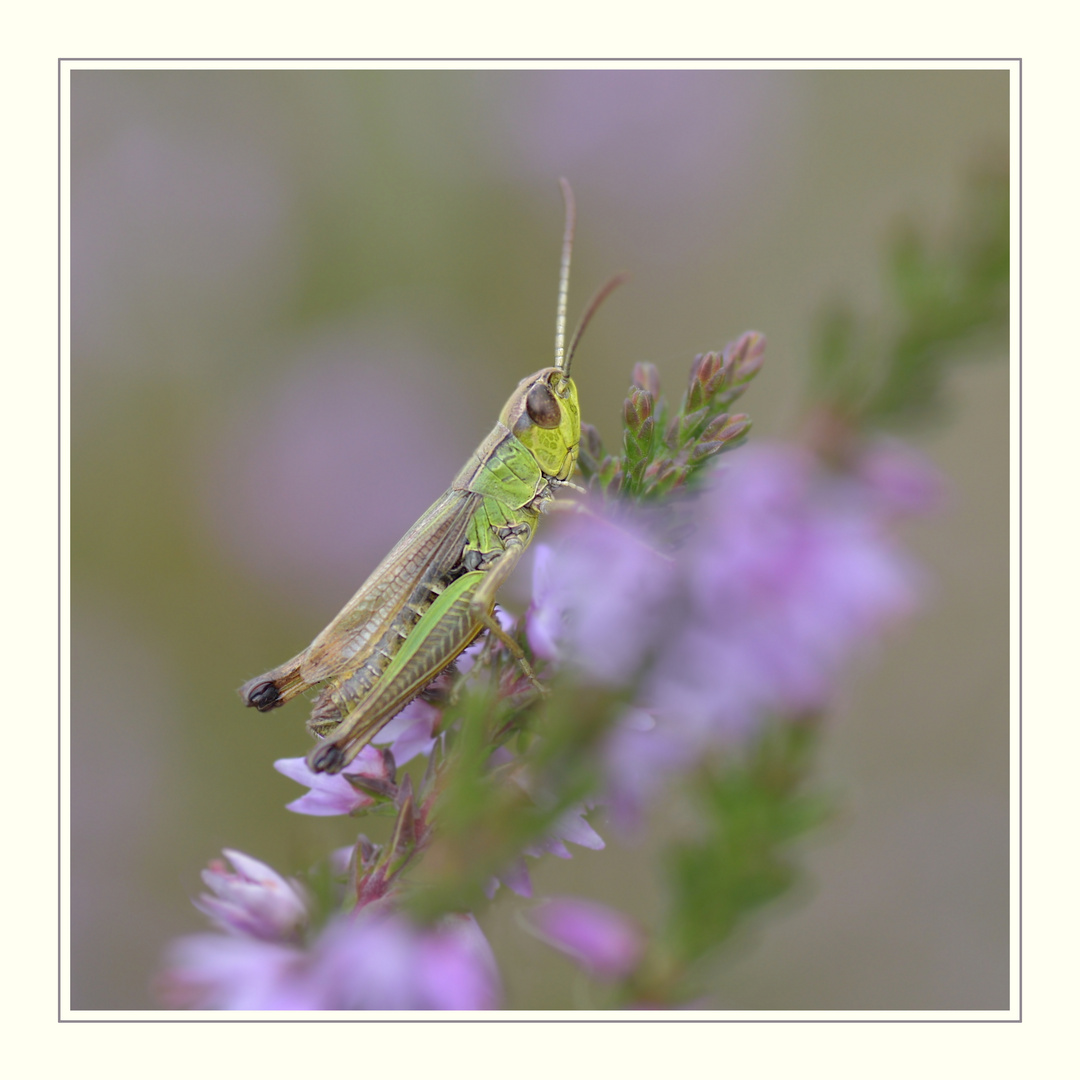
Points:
[(299, 299)]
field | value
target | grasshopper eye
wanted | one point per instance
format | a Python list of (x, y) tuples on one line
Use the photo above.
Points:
[(542, 407)]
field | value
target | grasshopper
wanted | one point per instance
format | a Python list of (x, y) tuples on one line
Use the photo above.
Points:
[(435, 592)]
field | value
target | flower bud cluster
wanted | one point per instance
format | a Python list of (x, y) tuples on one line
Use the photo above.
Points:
[(662, 453)]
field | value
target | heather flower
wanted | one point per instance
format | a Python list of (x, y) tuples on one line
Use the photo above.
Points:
[(603, 941), (335, 794), (252, 899), (373, 960)]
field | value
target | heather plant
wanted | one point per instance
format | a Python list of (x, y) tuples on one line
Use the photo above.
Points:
[(693, 610)]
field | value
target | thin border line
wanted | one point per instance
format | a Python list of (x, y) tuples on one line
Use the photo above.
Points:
[(1020, 538), (153, 1017), (59, 539), (539, 60)]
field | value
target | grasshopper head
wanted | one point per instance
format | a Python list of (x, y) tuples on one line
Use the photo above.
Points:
[(543, 413)]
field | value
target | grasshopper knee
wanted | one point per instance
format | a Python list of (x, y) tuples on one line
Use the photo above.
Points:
[(261, 694)]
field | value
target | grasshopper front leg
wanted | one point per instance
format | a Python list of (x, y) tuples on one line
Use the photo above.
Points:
[(483, 601)]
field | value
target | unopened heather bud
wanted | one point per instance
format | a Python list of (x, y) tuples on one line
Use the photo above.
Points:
[(726, 428), (701, 371), (590, 439), (638, 408), (690, 424), (746, 354), (720, 434), (646, 377), (714, 428)]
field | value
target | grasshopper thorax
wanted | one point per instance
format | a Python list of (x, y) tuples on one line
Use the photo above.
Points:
[(543, 414)]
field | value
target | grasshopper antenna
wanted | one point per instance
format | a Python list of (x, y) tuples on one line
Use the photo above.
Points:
[(563, 356), (601, 295), (561, 360)]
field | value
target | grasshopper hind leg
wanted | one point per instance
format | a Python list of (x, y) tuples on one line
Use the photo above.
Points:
[(276, 687)]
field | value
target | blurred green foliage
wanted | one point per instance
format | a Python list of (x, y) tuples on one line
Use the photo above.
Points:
[(941, 297), (749, 813)]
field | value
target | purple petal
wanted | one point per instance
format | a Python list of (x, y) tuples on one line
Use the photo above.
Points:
[(332, 795), (329, 803), (544, 619), (575, 829), (416, 711), (516, 878), (603, 941), (414, 740)]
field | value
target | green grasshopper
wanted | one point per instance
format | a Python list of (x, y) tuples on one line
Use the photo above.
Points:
[(435, 592)]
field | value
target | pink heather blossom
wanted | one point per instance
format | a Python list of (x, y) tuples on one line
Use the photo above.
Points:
[(359, 961), (252, 899), (603, 941), (330, 795)]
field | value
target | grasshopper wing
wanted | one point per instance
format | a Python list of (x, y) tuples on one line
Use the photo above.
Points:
[(403, 582)]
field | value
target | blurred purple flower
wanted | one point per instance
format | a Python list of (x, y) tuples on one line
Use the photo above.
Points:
[(331, 795), (367, 961), (654, 142), (209, 971), (637, 760), (588, 600), (603, 941), (905, 481), (789, 573), (384, 962), (252, 899)]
